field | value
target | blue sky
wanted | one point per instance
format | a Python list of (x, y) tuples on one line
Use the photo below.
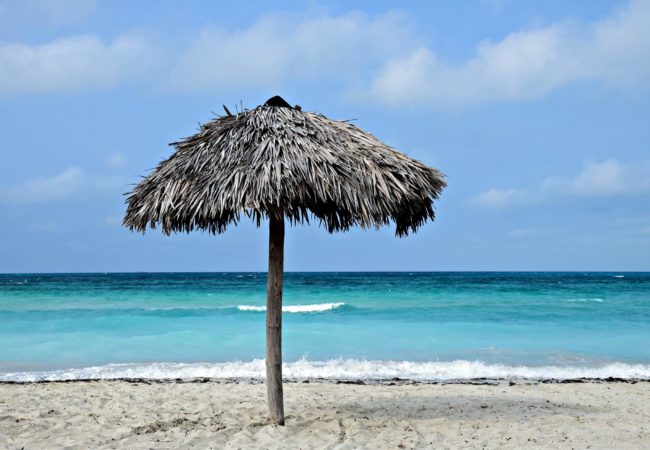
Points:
[(537, 111)]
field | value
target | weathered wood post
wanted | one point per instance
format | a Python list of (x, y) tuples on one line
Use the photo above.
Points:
[(274, 394)]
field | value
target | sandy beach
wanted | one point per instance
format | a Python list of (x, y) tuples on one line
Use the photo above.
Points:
[(218, 414)]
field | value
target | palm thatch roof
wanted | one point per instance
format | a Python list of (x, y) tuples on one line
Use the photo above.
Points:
[(276, 159)]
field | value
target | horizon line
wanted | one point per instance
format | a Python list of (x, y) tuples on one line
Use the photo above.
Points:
[(324, 271)]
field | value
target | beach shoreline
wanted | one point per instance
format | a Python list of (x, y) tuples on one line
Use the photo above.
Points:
[(326, 413), (396, 381)]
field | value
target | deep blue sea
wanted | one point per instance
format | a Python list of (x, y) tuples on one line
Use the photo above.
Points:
[(415, 325)]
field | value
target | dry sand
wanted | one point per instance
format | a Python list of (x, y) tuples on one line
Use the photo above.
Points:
[(119, 414)]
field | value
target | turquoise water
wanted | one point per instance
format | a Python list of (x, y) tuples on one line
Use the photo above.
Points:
[(423, 325)]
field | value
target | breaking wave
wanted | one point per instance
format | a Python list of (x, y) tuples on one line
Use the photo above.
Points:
[(582, 300), (338, 369), (319, 307)]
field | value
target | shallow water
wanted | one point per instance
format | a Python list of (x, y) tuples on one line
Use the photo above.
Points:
[(425, 325)]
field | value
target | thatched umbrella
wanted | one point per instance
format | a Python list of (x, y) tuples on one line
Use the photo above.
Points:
[(275, 162)]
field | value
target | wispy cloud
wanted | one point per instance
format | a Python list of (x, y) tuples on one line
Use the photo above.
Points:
[(524, 232), (72, 64), (116, 160), (375, 58), (496, 198), (276, 50), (70, 183), (527, 64), (607, 178), (113, 221), (280, 49)]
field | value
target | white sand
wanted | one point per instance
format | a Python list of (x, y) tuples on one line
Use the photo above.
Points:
[(118, 414)]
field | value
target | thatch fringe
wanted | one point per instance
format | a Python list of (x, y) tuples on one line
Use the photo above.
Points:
[(280, 160)]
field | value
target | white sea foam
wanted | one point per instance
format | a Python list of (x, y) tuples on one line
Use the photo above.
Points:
[(319, 307), (339, 369), (619, 276), (581, 300)]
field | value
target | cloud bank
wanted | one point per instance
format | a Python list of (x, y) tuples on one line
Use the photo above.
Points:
[(527, 64), (377, 59), (72, 64), (282, 49), (71, 183)]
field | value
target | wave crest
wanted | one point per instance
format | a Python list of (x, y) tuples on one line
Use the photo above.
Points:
[(318, 307), (584, 300)]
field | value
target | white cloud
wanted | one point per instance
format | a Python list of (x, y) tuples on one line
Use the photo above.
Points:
[(70, 183), (282, 48), (608, 178), (47, 188), (377, 58), (274, 51), (527, 64), (116, 160), (71, 64), (496, 198)]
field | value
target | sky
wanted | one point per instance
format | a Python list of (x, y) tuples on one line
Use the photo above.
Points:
[(538, 113)]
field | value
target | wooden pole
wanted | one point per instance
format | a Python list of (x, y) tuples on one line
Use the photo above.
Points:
[(274, 321)]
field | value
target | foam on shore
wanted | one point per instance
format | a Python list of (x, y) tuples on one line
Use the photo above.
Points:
[(338, 369)]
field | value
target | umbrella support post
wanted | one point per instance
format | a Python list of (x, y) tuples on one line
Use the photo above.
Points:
[(274, 321)]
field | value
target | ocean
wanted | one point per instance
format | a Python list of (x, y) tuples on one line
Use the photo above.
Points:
[(413, 325)]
